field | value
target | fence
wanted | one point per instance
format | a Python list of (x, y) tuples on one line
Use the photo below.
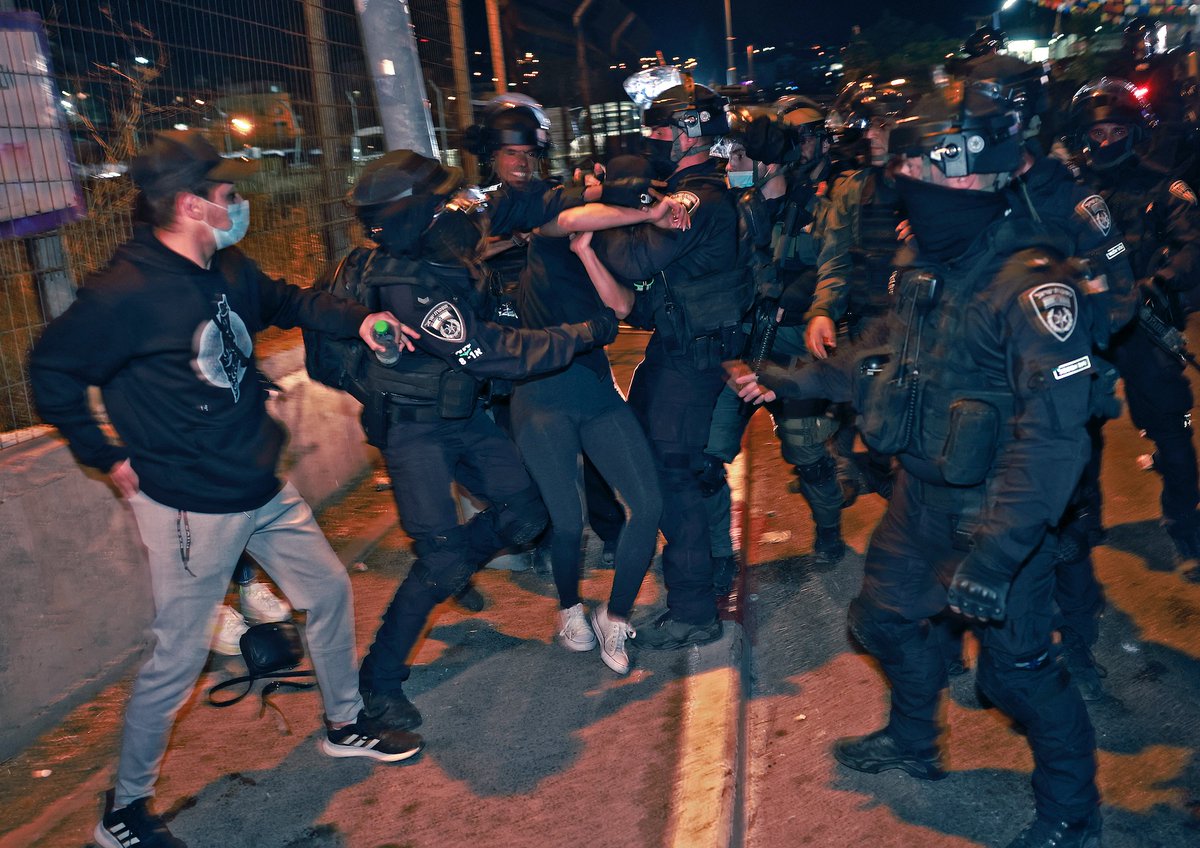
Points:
[(286, 80)]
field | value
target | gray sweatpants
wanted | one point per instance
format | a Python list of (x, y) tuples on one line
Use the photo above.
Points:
[(283, 537)]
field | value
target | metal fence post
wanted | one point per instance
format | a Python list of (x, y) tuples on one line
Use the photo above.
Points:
[(337, 240)]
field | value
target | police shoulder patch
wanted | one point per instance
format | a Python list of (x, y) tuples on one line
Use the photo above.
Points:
[(1055, 308), (445, 322), (690, 201), (1095, 210), (1183, 191)]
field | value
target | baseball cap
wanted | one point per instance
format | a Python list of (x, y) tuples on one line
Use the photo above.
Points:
[(179, 159), (400, 174)]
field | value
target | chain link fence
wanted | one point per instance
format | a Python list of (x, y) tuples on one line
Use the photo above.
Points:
[(285, 81)]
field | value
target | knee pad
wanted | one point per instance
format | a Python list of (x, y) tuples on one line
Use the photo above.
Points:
[(711, 475), (443, 564), (522, 517), (882, 634)]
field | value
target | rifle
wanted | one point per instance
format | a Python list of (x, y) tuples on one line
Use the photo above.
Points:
[(1163, 334)]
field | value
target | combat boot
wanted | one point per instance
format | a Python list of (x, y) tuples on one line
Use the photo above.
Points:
[(391, 711), (828, 546), (1086, 673), (879, 751), (725, 569), (1042, 833)]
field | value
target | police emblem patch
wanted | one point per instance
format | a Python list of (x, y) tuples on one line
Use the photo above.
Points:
[(1183, 191), (1096, 209), (444, 321), (1054, 305), (689, 201)]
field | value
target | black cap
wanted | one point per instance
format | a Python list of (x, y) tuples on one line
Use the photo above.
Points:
[(400, 174), (180, 159)]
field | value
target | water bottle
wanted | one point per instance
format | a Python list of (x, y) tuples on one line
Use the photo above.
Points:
[(390, 354)]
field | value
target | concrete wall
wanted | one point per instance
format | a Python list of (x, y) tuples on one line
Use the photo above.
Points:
[(76, 605)]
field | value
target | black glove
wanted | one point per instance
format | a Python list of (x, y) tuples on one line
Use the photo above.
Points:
[(603, 326), (778, 379), (627, 191), (710, 475), (979, 589)]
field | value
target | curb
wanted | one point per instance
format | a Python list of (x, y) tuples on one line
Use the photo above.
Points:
[(707, 802)]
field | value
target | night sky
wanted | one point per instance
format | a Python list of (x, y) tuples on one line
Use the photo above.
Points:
[(765, 22)]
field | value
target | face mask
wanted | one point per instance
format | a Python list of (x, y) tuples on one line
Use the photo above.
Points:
[(740, 179), (947, 220), (239, 215), (1110, 155), (661, 152)]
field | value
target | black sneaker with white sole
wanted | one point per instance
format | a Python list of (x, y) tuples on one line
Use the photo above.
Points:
[(355, 740), (133, 825)]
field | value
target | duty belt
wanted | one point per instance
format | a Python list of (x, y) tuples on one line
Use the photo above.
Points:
[(963, 504), (411, 412)]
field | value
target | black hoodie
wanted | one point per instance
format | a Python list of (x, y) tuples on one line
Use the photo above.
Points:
[(171, 346)]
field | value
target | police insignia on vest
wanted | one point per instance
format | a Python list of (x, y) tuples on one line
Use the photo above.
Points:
[(1183, 191), (444, 321), (1096, 209), (1054, 305)]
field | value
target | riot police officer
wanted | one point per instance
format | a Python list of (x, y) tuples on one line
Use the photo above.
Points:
[(793, 235), (692, 293), (981, 383), (1161, 224), (423, 411)]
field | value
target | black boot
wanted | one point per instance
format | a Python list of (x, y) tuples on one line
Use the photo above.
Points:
[(879, 751), (828, 546), (391, 711), (1042, 833), (725, 569)]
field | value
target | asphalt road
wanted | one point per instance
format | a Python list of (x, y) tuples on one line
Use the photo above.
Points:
[(809, 688)]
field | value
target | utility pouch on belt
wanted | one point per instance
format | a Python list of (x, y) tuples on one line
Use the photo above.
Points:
[(457, 393), (970, 447), (375, 419)]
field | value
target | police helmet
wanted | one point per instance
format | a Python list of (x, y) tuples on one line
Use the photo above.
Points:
[(975, 128), (984, 41), (1139, 38), (865, 100), (1113, 101), (397, 195), (802, 113), (510, 119), (696, 109)]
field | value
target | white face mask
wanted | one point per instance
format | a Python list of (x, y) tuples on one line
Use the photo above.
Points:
[(740, 179), (239, 216)]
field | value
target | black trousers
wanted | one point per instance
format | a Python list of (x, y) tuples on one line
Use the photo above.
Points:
[(674, 401), (424, 459), (909, 563), (1160, 402)]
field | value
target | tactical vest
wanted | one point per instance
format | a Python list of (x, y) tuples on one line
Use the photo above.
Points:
[(701, 317), (922, 396), (874, 245)]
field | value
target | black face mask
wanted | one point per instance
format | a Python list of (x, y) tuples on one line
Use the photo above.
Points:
[(947, 220), (659, 151), (1110, 155), (398, 226)]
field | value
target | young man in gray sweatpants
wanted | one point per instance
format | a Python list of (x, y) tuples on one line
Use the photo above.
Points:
[(166, 330)]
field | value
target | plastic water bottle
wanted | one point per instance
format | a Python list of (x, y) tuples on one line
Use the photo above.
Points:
[(390, 354)]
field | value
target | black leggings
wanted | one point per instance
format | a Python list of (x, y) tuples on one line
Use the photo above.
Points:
[(555, 419)]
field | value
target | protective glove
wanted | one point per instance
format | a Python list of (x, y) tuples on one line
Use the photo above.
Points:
[(627, 191), (603, 327), (782, 381), (979, 589)]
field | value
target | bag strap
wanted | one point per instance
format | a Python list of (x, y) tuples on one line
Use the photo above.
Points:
[(278, 679)]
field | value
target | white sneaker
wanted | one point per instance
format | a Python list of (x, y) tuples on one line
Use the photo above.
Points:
[(228, 636), (612, 633), (573, 631), (260, 604)]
